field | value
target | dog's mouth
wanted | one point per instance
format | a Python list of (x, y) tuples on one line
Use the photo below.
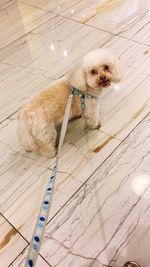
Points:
[(104, 83)]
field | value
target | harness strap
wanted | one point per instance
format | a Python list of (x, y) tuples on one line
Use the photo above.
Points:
[(82, 96)]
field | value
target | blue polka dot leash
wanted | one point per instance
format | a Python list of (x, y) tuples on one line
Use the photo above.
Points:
[(46, 203)]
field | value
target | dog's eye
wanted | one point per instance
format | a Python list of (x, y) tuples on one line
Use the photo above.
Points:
[(93, 71), (106, 67)]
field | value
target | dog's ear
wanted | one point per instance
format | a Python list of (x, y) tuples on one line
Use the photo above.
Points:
[(117, 71), (77, 78)]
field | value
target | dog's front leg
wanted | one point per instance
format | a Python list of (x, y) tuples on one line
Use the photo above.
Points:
[(91, 113)]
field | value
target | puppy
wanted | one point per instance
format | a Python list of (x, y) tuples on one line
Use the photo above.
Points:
[(40, 117)]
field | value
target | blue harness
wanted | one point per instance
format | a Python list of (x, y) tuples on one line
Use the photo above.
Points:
[(82, 96)]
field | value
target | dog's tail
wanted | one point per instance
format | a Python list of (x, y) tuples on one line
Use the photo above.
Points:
[(24, 134)]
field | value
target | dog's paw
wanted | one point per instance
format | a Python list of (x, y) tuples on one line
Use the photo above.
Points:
[(95, 127), (52, 154), (98, 125)]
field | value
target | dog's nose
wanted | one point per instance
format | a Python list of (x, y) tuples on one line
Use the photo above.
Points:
[(103, 78)]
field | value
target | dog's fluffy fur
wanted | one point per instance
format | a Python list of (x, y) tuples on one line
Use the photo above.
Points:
[(40, 117)]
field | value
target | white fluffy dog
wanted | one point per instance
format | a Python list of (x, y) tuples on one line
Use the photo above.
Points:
[(40, 117)]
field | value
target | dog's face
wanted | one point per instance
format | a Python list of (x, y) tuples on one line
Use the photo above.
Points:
[(99, 76), (101, 69)]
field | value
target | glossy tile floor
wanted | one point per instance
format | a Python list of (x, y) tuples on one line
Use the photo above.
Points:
[(100, 214)]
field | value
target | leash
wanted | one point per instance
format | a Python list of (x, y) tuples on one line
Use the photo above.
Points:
[(38, 234)]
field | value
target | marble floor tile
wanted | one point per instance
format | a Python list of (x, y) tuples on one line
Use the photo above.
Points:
[(17, 19), (131, 54), (122, 119), (54, 47), (87, 151), (30, 63), (33, 79), (84, 10), (106, 222), (129, 19), (84, 150), (17, 85), (11, 243), (133, 89), (100, 212), (117, 93), (6, 3), (51, 5), (24, 176), (78, 10)]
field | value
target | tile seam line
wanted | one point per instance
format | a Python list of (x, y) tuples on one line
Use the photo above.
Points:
[(28, 243), (110, 135), (18, 256), (99, 166), (100, 29), (46, 9), (1, 122), (14, 228), (45, 260), (36, 7), (118, 35), (26, 248)]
